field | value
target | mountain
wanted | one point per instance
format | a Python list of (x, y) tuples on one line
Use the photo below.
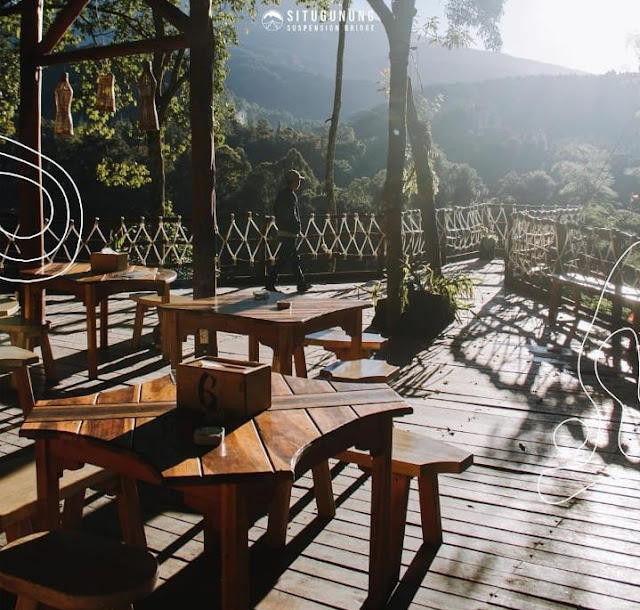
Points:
[(285, 60)]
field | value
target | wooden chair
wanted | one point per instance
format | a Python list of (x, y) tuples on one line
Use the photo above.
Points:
[(74, 570), (144, 302)]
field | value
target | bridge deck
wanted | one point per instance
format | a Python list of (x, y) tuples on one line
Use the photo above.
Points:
[(497, 384)]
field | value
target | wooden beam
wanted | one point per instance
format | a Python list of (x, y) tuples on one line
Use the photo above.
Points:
[(64, 19), (203, 166), (171, 13), (166, 43), (30, 212)]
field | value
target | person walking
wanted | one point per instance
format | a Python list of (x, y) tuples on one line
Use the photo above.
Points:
[(289, 231)]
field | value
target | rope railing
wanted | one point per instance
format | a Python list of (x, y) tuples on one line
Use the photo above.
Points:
[(539, 249), (348, 242)]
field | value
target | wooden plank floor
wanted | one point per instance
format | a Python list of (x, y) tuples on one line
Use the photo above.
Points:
[(542, 520)]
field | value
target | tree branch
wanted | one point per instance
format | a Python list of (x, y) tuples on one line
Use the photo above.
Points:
[(63, 22), (384, 12), (172, 14)]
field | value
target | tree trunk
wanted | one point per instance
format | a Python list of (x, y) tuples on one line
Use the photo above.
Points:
[(398, 28), (157, 171), (420, 138), (154, 138), (329, 183), (202, 149)]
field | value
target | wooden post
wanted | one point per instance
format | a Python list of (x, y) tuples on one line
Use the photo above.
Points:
[(202, 149), (30, 194)]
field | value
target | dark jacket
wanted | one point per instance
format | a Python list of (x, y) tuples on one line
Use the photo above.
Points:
[(286, 212)]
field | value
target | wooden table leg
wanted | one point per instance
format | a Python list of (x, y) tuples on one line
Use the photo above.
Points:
[(92, 348), (226, 526), (172, 338), (104, 322), (356, 337), (254, 349), (129, 513), (380, 581), (48, 487), (234, 548), (283, 354)]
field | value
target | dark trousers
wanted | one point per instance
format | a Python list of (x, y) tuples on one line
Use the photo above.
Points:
[(287, 256)]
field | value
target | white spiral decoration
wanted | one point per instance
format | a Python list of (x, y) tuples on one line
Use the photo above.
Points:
[(58, 198)]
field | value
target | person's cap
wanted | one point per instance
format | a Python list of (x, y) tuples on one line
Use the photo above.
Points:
[(292, 175)]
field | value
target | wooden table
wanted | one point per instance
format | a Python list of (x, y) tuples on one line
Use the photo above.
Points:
[(138, 432), (281, 329), (92, 288)]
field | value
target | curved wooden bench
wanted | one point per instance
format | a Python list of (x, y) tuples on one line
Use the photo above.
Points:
[(337, 341), (76, 570), (145, 301)]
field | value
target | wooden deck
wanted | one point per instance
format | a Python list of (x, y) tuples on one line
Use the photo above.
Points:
[(498, 384)]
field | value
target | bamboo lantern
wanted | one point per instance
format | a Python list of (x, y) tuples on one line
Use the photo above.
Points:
[(106, 94), (148, 120), (63, 94)]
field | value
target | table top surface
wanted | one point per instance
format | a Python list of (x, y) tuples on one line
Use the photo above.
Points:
[(82, 273), (300, 309), (143, 425)]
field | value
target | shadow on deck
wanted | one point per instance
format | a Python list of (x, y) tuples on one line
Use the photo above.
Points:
[(546, 518)]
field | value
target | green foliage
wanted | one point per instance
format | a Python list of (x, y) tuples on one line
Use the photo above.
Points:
[(417, 276), (117, 239), (528, 188), (131, 174)]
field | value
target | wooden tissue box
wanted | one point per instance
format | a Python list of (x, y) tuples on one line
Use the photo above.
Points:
[(109, 261), (222, 389)]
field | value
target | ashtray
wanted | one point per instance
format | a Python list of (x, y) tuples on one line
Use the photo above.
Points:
[(208, 436), (261, 295), (283, 304)]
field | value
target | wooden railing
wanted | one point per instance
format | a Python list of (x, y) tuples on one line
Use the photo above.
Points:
[(541, 252), (344, 243)]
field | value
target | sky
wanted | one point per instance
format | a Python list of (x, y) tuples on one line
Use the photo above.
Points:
[(589, 35)]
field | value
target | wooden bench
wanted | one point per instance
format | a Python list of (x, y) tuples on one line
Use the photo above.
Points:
[(412, 455), (9, 305), (68, 569), (15, 360), (19, 497), (145, 301), (360, 371), (415, 455), (337, 341), (28, 335), (18, 484)]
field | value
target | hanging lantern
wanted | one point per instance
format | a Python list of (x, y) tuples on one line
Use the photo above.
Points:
[(106, 94), (63, 94), (148, 114)]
